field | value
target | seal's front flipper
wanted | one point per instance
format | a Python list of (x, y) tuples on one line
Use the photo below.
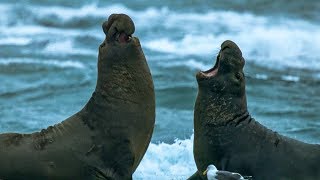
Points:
[(195, 176), (98, 174), (118, 158)]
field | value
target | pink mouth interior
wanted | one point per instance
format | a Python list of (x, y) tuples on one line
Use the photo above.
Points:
[(213, 71), (123, 38)]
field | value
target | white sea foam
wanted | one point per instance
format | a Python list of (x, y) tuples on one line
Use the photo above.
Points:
[(261, 76), (275, 43), (167, 161), (4, 9), (267, 41), (140, 18), (188, 45), (290, 78), (56, 63), (67, 47), (15, 41), (68, 13), (30, 30), (190, 63)]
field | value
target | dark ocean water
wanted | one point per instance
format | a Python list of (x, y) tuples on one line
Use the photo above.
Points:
[(48, 56)]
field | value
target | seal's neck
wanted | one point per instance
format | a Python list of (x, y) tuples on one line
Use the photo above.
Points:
[(122, 71), (115, 80), (220, 110)]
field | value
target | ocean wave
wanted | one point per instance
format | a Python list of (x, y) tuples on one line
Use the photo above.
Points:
[(266, 41), (32, 30), (55, 63), (4, 9), (68, 13), (59, 40), (263, 40), (67, 17), (93, 10), (190, 63), (15, 41), (66, 47), (167, 161), (89, 15), (290, 78), (302, 130), (188, 45), (261, 76), (313, 78)]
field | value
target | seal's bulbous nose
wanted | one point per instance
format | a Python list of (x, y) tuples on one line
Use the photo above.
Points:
[(231, 45), (120, 23)]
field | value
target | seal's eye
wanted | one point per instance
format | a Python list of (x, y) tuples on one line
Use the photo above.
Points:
[(102, 45), (238, 75)]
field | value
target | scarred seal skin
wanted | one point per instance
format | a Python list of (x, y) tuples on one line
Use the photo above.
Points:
[(227, 136), (109, 136)]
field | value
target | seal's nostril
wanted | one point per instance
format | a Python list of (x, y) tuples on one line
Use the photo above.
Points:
[(225, 47), (229, 44), (102, 45), (116, 25), (226, 44), (105, 28)]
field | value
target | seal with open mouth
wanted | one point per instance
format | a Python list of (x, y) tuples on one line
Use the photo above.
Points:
[(227, 136), (109, 136)]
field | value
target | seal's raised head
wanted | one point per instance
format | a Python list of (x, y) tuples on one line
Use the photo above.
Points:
[(119, 44), (121, 60), (125, 94), (227, 74), (118, 28), (109, 136), (226, 135), (223, 86)]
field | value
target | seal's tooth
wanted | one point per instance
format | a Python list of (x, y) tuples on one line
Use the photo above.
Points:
[(117, 36)]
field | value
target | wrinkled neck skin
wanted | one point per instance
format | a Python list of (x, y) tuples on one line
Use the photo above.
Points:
[(124, 87), (215, 109), (124, 90), (119, 71), (214, 113)]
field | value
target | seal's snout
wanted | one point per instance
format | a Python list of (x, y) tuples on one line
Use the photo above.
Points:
[(233, 47), (229, 59), (118, 28), (228, 44)]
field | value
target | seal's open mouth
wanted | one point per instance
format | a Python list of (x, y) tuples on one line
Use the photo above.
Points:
[(122, 37), (229, 59), (211, 72), (119, 28)]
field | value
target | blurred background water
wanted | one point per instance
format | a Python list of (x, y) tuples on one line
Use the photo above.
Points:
[(48, 56)]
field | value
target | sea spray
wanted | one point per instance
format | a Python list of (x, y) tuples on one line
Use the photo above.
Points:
[(168, 161)]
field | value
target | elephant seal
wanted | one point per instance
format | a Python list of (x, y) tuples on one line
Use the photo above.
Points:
[(109, 136), (227, 136)]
